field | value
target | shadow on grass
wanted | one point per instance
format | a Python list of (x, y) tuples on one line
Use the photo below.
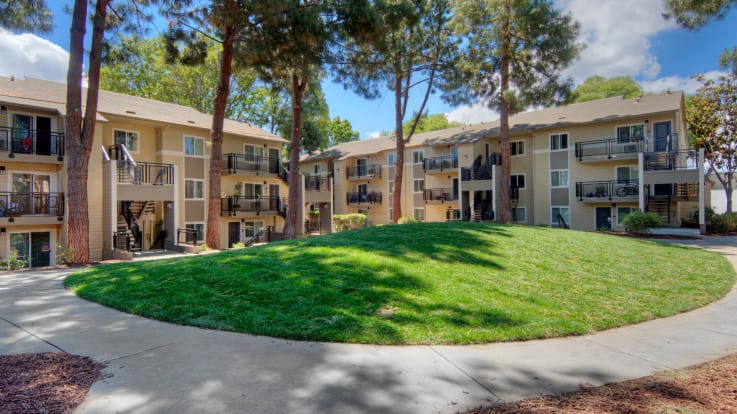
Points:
[(374, 285)]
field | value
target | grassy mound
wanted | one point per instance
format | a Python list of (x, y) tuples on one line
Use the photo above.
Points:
[(440, 283)]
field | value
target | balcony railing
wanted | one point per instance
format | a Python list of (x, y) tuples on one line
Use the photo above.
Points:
[(608, 148), (674, 160), (370, 198), (607, 190), (438, 195), (453, 214), (481, 169), (145, 173), (317, 183), (514, 194), (363, 172), (250, 164), (31, 141), (440, 164), (31, 204), (232, 205)]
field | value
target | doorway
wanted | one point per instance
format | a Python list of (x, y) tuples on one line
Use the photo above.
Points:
[(603, 218), (662, 136), (34, 247), (234, 233), (43, 135)]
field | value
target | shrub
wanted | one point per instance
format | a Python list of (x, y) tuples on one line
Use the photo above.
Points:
[(641, 223), (314, 215), (348, 221), (723, 223), (407, 220), (238, 245)]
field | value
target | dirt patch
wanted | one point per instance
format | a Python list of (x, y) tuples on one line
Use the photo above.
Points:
[(706, 388), (48, 383)]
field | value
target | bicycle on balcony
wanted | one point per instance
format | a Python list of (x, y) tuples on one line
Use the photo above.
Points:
[(627, 189)]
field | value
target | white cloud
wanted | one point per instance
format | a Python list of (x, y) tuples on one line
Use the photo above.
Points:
[(617, 36), (29, 55), (677, 83), (374, 134), (472, 114)]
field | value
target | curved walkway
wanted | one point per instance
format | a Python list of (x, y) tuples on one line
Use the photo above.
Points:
[(156, 367)]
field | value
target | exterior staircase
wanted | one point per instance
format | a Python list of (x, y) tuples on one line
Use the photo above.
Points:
[(480, 211), (661, 205)]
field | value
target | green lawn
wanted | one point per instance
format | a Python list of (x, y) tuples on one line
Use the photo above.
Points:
[(440, 283)]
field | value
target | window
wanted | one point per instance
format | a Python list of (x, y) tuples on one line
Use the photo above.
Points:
[(200, 227), (558, 142), (362, 188), (627, 174), (419, 185), (251, 190), (559, 213), (559, 178), (317, 169), (194, 189), (518, 181), (391, 186), (623, 212), (252, 228), (630, 133), (517, 148), (418, 156), (127, 138), (391, 159), (419, 214), (253, 150), (194, 147), (519, 214), (391, 215)]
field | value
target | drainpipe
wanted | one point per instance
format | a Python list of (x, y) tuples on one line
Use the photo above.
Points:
[(641, 183)]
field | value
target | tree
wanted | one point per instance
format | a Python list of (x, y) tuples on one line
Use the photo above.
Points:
[(712, 119), (413, 49), (695, 14), (428, 123), (27, 15), (513, 56), (597, 87), (341, 131)]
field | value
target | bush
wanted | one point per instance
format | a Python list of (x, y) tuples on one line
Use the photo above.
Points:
[(723, 223), (314, 215), (641, 223), (348, 221), (407, 220)]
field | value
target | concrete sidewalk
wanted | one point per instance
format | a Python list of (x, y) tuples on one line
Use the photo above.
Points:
[(156, 367)]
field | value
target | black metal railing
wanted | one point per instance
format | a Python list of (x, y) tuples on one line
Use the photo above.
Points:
[(250, 164), (256, 238), (145, 173), (481, 169), (31, 141), (232, 205), (440, 163), (608, 148), (190, 236), (317, 183), (363, 171), (31, 204), (440, 195), (562, 222), (607, 190), (514, 194), (359, 198), (673, 160), (453, 214)]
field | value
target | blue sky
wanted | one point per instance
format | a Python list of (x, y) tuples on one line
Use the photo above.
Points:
[(623, 37)]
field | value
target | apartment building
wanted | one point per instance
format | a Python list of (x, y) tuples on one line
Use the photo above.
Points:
[(148, 175), (582, 166)]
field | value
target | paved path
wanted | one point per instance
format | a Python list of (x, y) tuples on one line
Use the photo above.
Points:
[(156, 367)]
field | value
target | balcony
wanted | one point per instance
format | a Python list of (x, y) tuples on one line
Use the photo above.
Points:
[(439, 165), (317, 183), (363, 172), (234, 205), (363, 199), (481, 170), (139, 173), (438, 195), (240, 164), (31, 142), (608, 149), (31, 204), (608, 191), (673, 160)]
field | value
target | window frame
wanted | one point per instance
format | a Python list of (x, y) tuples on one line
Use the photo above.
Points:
[(414, 185), (515, 214), (418, 154), (513, 144), (194, 146), (556, 141), (194, 189), (391, 214), (524, 180), (391, 159), (127, 136), (390, 187), (632, 137), (568, 178), (554, 219), (264, 151), (621, 217), (414, 213), (195, 224)]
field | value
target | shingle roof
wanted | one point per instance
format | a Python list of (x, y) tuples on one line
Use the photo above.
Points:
[(575, 114), (52, 95)]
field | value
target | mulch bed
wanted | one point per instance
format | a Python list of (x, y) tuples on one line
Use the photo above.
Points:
[(706, 388), (48, 383)]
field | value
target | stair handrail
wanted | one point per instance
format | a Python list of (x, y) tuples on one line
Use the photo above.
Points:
[(254, 239), (562, 222), (104, 153)]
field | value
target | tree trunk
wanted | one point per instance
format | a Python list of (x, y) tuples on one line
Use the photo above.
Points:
[(216, 139), (399, 166), (295, 187), (506, 204), (79, 136)]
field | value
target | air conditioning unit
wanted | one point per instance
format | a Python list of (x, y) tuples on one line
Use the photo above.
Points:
[(630, 148)]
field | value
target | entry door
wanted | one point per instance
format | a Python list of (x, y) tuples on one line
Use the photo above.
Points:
[(362, 167), (273, 197), (662, 136), (273, 161), (22, 133), (234, 233), (40, 249), (43, 135), (603, 218)]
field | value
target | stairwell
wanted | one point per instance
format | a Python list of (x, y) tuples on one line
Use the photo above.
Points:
[(479, 209), (661, 205)]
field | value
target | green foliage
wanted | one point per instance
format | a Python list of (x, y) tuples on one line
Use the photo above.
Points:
[(341, 131), (314, 215), (13, 263), (348, 221), (238, 245), (26, 15), (407, 220), (597, 87), (728, 60), (722, 223), (694, 14), (641, 223), (428, 123), (64, 255), (451, 283)]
